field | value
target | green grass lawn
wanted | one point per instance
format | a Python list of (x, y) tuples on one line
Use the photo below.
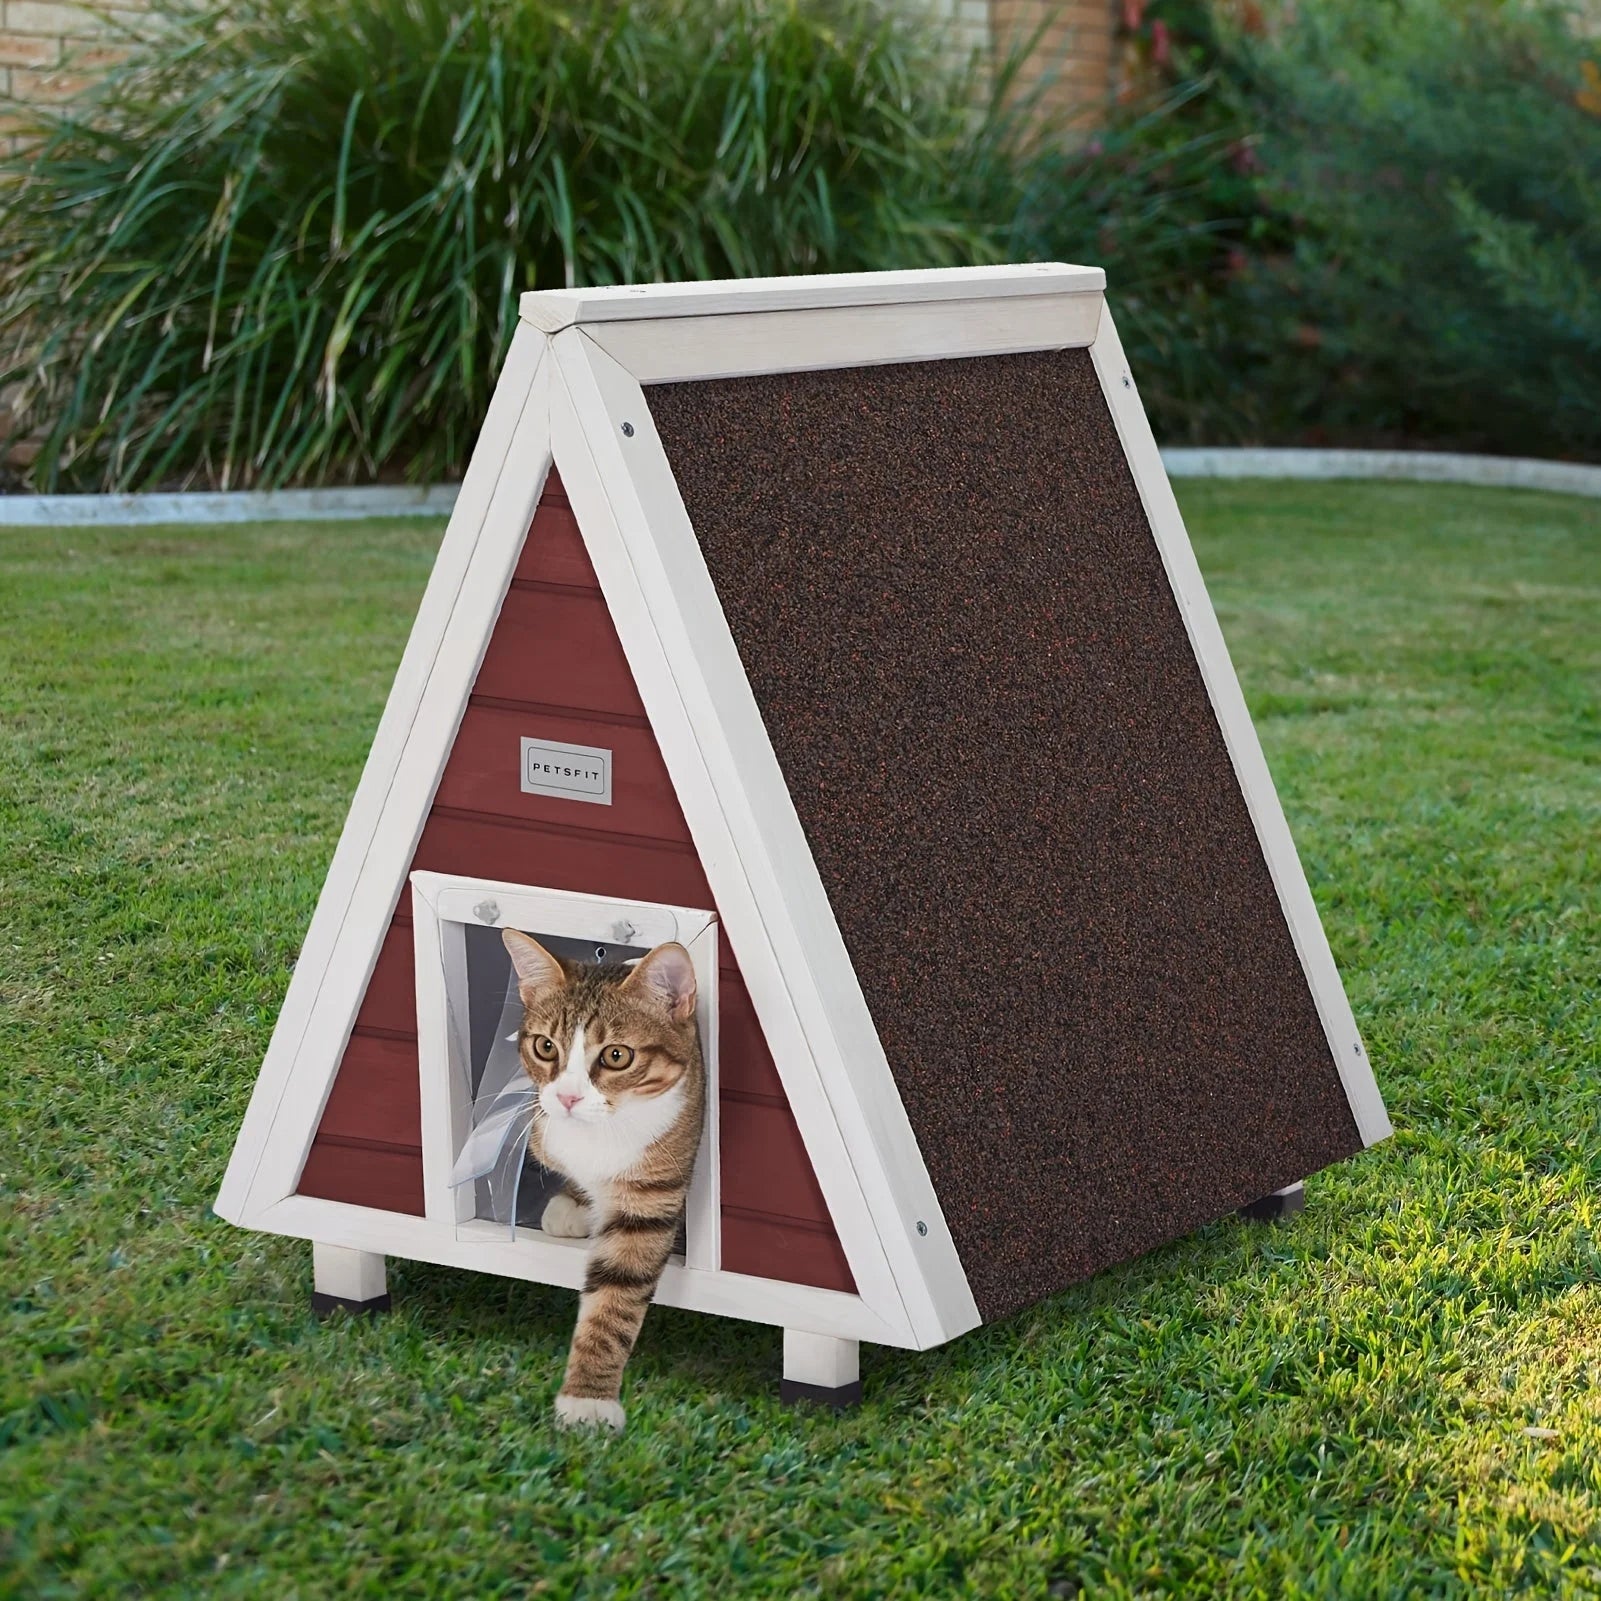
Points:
[(1393, 1395)]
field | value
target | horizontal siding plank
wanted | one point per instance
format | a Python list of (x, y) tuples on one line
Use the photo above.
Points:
[(553, 552), (388, 1180), (558, 648), (744, 1063), (765, 1167), (376, 1096), (548, 858), (770, 1249), (391, 999), (484, 774)]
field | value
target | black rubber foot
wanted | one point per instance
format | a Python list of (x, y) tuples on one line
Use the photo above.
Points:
[(1273, 1207), (846, 1396), (322, 1305)]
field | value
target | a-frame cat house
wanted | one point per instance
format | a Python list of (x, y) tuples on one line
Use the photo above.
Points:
[(846, 629)]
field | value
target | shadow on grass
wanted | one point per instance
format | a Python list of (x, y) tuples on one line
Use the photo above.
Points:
[(694, 1353)]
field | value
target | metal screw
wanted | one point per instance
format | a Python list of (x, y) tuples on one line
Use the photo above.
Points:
[(1128, 383), (922, 1228), (628, 430)]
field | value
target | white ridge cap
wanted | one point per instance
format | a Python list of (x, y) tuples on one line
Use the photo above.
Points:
[(551, 310)]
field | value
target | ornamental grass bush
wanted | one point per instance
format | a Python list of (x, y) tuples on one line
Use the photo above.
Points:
[(284, 241)]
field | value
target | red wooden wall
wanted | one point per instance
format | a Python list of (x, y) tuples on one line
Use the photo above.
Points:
[(555, 669)]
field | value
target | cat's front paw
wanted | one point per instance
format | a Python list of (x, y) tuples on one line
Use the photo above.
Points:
[(566, 1218), (589, 1412)]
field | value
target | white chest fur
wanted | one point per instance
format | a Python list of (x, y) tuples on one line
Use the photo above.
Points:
[(594, 1151)]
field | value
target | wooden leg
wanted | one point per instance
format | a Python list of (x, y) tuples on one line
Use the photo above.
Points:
[(1281, 1203), (345, 1279), (818, 1367)]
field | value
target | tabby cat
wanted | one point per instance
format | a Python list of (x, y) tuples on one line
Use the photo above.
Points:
[(622, 1093)]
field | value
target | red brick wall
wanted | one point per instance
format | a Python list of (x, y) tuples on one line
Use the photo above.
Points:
[(1076, 51), (48, 48)]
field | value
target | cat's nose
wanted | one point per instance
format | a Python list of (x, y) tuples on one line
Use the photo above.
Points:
[(568, 1099)]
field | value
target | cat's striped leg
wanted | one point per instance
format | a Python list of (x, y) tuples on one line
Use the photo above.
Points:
[(625, 1266)]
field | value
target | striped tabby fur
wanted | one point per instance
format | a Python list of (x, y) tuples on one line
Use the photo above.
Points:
[(622, 1093)]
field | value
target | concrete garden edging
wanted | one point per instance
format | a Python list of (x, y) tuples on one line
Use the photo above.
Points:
[(1413, 466), (243, 506), (1205, 461)]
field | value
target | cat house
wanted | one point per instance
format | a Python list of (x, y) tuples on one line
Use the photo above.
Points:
[(845, 630)]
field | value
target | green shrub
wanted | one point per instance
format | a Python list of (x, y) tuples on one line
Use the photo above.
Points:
[(285, 241), (1441, 163), (1403, 245), (1170, 198)]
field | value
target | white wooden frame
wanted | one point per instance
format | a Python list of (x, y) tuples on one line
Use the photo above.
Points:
[(698, 331), (793, 959), (961, 288), (442, 907), (573, 386), (502, 485)]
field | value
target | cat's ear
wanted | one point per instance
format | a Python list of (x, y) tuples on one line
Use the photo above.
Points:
[(666, 977), (537, 969)]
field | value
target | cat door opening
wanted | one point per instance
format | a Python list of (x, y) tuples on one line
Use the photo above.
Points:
[(477, 1102)]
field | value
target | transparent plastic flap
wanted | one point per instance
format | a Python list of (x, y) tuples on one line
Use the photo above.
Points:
[(502, 1121)]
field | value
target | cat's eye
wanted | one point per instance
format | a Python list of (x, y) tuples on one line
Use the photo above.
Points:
[(616, 1057), (544, 1049)]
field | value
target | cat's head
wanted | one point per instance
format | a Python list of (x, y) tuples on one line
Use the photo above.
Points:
[(597, 1040)]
